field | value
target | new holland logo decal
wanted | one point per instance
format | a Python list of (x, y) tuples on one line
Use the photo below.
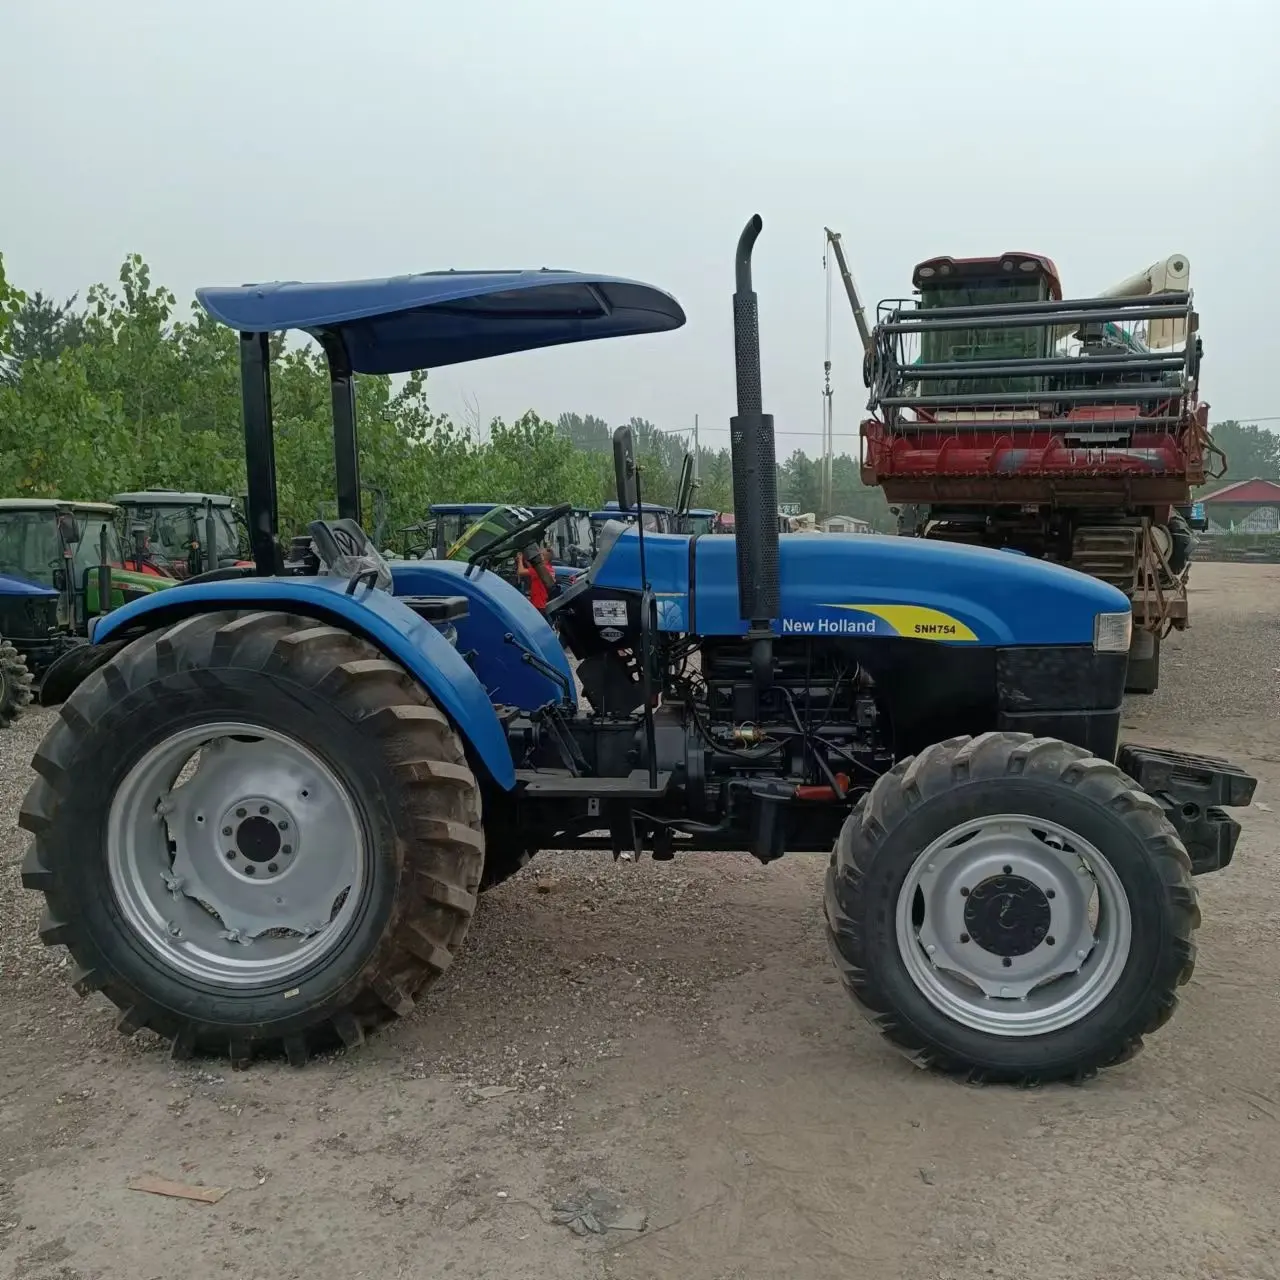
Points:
[(913, 621)]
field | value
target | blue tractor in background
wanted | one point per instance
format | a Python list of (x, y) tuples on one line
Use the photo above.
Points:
[(263, 818)]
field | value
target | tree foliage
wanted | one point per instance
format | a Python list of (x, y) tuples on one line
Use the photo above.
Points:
[(125, 392), (1252, 452)]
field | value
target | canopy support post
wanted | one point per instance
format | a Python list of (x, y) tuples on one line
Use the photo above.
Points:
[(346, 451), (259, 451)]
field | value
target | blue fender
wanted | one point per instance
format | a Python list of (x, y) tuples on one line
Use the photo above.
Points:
[(496, 609), (393, 627)]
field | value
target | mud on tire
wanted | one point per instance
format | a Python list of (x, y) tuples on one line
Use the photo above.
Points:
[(414, 799), (955, 783)]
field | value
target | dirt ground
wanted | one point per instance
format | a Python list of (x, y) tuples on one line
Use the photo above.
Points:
[(674, 1033)]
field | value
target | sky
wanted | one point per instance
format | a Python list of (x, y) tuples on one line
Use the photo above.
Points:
[(252, 140)]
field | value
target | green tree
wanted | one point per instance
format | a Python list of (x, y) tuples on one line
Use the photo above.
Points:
[(1251, 451), (11, 301)]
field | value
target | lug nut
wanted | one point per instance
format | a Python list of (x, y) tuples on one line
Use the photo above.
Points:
[(287, 848), (251, 869), (284, 826), (1050, 893), (964, 893), (231, 855), (1007, 962), (262, 808), (240, 813), (1007, 870), (226, 831), (964, 937), (1049, 940), (271, 866)]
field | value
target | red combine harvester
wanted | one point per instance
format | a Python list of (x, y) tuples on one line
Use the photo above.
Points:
[(1071, 430)]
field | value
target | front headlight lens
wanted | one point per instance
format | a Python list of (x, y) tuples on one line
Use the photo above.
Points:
[(1112, 632)]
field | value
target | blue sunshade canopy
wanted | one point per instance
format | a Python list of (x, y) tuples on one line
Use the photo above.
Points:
[(448, 317)]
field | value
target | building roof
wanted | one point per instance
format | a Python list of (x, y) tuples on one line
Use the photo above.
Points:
[(1254, 493)]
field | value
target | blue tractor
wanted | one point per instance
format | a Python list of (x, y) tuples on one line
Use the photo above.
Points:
[(261, 823)]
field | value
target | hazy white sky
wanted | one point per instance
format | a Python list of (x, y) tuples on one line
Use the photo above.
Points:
[(291, 139)]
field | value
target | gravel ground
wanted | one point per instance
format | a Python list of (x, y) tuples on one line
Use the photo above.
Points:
[(673, 1032)]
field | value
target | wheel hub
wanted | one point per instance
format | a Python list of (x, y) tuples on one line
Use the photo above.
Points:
[(259, 837), (1013, 925), (236, 851), (1007, 915)]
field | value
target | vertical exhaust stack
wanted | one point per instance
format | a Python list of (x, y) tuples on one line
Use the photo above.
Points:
[(755, 472)]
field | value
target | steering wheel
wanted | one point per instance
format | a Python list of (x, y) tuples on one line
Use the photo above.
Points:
[(517, 539)]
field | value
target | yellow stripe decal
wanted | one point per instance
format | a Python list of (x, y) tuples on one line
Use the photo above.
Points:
[(915, 621)]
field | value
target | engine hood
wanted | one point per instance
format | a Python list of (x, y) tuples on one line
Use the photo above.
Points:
[(12, 585), (870, 585)]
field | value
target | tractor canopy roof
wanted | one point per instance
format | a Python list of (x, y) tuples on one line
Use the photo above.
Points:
[(52, 505), (170, 498), (462, 508), (436, 318)]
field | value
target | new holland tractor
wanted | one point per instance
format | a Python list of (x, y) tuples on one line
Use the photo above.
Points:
[(262, 822)]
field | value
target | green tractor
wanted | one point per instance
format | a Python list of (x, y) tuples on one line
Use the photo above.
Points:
[(61, 566), (182, 534)]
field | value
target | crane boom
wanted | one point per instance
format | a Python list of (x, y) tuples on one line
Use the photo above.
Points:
[(851, 289)]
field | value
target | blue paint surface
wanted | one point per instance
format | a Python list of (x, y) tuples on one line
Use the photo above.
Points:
[(832, 584)]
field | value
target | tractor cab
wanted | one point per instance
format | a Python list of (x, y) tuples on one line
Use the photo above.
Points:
[(981, 282), (700, 520), (443, 529), (180, 534), (654, 518), (569, 540)]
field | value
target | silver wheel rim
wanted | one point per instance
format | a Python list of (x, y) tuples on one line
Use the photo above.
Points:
[(235, 854), (1013, 925)]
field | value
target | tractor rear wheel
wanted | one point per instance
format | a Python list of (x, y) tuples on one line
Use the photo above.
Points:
[(15, 684), (1011, 909), (254, 832)]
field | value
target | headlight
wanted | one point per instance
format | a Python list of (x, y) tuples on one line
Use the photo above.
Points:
[(1112, 632)]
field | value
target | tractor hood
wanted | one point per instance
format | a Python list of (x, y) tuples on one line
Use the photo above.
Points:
[(12, 585), (869, 585)]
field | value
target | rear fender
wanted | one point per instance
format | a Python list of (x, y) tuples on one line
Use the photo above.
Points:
[(496, 610), (380, 618)]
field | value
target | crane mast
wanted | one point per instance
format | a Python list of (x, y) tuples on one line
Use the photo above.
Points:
[(850, 289)]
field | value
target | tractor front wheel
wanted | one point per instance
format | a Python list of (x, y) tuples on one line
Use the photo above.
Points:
[(253, 831), (1011, 909), (15, 684)]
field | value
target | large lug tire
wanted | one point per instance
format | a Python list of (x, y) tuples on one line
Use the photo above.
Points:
[(303, 883), (1011, 909), (15, 684)]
